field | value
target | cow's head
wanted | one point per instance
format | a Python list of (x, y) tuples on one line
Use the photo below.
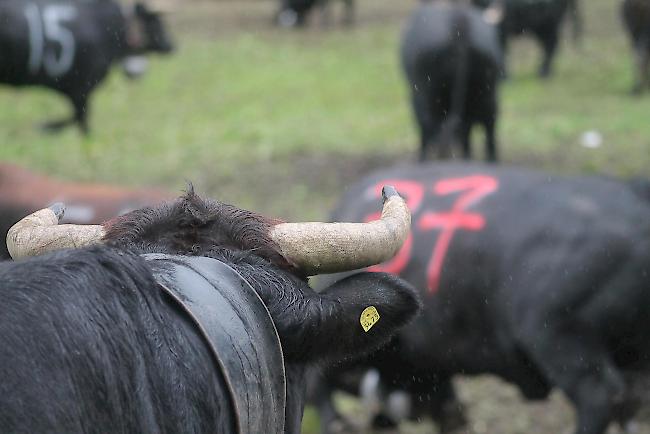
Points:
[(349, 318), (147, 32)]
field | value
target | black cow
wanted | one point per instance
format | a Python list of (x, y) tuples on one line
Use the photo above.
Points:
[(90, 341), (452, 61), (70, 45), (636, 16), (541, 18), (542, 280), (294, 13)]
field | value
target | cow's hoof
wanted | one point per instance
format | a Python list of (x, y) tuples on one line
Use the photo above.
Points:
[(58, 209)]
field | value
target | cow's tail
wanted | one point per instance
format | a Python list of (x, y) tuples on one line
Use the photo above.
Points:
[(459, 84)]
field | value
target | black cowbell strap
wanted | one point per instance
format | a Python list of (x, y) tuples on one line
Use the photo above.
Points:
[(239, 331)]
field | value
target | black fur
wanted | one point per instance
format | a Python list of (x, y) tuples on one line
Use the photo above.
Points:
[(89, 344)]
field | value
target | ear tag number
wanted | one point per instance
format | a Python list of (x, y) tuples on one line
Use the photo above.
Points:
[(369, 318)]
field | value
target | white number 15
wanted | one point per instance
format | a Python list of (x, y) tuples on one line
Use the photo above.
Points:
[(46, 25)]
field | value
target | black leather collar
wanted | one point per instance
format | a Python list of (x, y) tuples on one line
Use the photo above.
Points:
[(239, 331)]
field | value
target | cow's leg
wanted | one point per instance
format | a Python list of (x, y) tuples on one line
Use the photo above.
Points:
[(465, 130), (641, 48), (503, 40), (549, 38), (642, 55), (348, 13), (490, 137), (331, 421), (426, 122), (80, 104), (578, 363), (79, 101), (325, 12), (445, 408)]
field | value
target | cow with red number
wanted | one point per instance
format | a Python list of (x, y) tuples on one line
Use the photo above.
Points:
[(541, 280)]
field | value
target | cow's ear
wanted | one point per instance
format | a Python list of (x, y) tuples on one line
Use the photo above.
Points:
[(360, 313)]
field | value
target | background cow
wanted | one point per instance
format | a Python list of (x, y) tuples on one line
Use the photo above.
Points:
[(111, 349), (539, 279), (294, 13), (541, 18), (23, 192), (69, 46), (636, 16), (452, 61)]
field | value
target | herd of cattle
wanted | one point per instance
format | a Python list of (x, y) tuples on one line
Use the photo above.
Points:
[(147, 314)]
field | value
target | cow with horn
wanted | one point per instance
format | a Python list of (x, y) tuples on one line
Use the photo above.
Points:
[(191, 316), (541, 280)]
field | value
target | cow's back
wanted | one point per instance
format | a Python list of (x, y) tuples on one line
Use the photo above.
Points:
[(90, 344), (433, 28)]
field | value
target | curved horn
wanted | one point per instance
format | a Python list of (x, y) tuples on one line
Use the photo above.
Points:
[(317, 248), (38, 233)]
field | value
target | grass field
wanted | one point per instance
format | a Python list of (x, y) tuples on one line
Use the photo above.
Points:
[(281, 121)]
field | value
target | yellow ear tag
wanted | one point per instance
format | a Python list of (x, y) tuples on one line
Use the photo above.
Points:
[(369, 318)]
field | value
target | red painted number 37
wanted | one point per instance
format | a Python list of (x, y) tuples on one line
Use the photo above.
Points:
[(470, 190)]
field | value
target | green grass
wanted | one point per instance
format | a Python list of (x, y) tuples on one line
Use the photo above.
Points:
[(281, 121)]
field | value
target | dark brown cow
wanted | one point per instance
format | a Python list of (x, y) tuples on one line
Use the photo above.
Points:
[(23, 192)]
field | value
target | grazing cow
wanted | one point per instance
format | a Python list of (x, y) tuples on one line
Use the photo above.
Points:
[(172, 324), (70, 45), (294, 13), (23, 192), (541, 18), (452, 61), (542, 280), (636, 16)]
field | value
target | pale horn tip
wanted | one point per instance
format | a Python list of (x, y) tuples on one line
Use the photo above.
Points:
[(388, 191), (58, 208)]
